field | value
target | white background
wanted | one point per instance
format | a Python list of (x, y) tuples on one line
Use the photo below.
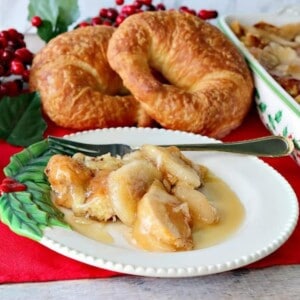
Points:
[(13, 13)]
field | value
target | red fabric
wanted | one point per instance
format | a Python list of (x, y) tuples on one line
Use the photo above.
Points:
[(23, 260)]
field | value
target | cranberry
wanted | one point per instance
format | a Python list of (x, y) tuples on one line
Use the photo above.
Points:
[(4, 34), (24, 55), (119, 2), (112, 14), (3, 42), (7, 71), (96, 21), (137, 4), (16, 67), (145, 2), (160, 6), (2, 70), (14, 56), (12, 44), (183, 9), (103, 12), (107, 23), (128, 10), (192, 12), (25, 75), (120, 18), (20, 43), (7, 55), (10, 88), (3, 90), (84, 24), (207, 14), (14, 35), (19, 82), (36, 21)]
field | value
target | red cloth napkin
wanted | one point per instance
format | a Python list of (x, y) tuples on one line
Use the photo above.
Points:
[(23, 260)]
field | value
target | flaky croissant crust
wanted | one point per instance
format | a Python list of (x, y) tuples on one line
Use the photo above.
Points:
[(209, 88), (78, 88)]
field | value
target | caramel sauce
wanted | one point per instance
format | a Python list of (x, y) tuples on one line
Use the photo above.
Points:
[(90, 228), (229, 207), (217, 191)]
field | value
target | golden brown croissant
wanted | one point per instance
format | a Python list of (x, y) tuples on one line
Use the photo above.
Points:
[(77, 86), (210, 87)]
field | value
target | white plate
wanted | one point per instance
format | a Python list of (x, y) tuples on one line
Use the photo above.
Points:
[(271, 215)]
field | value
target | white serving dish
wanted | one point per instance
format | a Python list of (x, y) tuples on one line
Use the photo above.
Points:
[(279, 112)]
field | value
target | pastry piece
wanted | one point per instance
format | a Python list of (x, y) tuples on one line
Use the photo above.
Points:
[(80, 188), (78, 88), (174, 166), (162, 222), (102, 162), (201, 210), (127, 185), (98, 204), (209, 89), (68, 179)]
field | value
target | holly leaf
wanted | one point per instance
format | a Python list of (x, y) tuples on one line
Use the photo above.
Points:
[(21, 121), (29, 212), (60, 27), (278, 116), (262, 106), (271, 122), (45, 31), (68, 11), (45, 9), (57, 15)]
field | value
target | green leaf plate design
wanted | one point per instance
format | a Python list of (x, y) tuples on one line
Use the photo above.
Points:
[(28, 212)]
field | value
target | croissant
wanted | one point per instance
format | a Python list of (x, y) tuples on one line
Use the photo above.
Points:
[(78, 88), (205, 85)]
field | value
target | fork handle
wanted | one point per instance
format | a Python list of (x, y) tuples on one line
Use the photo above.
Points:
[(271, 146)]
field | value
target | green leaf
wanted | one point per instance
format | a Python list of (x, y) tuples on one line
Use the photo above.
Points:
[(45, 9), (45, 31), (60, 27), (271, 122), (57, 15), (278, 116), (21, 121), (262, 106), (285, 131), (28, 213), (68, 11)]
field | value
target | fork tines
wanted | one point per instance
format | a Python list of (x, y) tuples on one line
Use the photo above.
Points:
[(71, 147)]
